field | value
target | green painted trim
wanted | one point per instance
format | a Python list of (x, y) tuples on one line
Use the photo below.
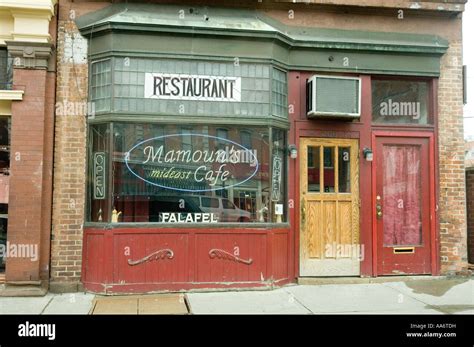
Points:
[(125, 44), (419, 66), (209, 58), (433, 44), (432, 61), (105, 117), (250, 24), (259, 39), (126, 29), (144, 225)]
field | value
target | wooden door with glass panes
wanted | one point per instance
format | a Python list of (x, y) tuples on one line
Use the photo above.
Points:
[(329, 207)]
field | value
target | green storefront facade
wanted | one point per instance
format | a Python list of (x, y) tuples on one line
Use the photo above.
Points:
[(206, 170)]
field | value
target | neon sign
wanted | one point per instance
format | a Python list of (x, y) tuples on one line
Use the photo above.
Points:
[(99, 175), (192, 170)]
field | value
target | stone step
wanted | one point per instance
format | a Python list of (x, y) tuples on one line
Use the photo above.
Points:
[(22, 290), (142, 304)]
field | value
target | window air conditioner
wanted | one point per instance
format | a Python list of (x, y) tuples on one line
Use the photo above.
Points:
[(329, 97)]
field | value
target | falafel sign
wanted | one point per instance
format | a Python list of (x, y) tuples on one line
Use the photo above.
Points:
[(192, 87), (212, 164)]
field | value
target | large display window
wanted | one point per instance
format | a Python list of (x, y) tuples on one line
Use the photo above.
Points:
[(174, 173)]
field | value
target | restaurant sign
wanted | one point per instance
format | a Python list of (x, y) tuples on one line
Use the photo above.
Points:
[(192, 87), (215, 164)]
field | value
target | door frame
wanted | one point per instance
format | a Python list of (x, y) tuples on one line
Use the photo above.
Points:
[(432, 191)]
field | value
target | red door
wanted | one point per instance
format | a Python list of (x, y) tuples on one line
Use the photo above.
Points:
[(402, 205)]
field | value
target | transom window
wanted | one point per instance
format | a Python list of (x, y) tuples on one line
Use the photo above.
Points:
[(401, 101)]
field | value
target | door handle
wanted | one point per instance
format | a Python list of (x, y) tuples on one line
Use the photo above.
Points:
[(303, 212), (379, 210)]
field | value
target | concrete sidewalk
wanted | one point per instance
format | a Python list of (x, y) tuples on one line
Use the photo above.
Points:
[(74, 303), (412, 297), (437, 296)]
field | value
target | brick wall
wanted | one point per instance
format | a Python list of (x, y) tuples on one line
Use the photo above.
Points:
[(28, 175), (70, 155), (452, 198), (470, 212)]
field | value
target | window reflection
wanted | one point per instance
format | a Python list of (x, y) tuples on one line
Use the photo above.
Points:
[(313, 169), (400, 102), (344, 169), (246, 139), (329, 179), (169, 173)]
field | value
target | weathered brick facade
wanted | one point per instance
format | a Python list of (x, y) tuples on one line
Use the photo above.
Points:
[(470, 212), (452, 199), (31, 160), (70, 137), (30, 182), (70, 148), (70, 159)]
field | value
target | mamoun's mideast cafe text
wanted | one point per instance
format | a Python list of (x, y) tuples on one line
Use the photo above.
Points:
[(255, 144)]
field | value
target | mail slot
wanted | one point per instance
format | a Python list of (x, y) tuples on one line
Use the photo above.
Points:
[(403, 250)]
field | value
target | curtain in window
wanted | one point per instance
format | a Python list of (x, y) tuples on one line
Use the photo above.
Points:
[(401, 195)]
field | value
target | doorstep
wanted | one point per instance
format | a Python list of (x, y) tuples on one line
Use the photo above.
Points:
[(140, 304), (24, 288), (366, 280)]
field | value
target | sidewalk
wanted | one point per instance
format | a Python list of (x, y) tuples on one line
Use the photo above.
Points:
[(74, 303), (438, 296), (414, 297)]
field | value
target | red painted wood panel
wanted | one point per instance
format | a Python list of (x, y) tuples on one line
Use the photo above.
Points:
[(159, 267), (164, 287), (280, 256), (230, 266), (106, 268), (94, 258)]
